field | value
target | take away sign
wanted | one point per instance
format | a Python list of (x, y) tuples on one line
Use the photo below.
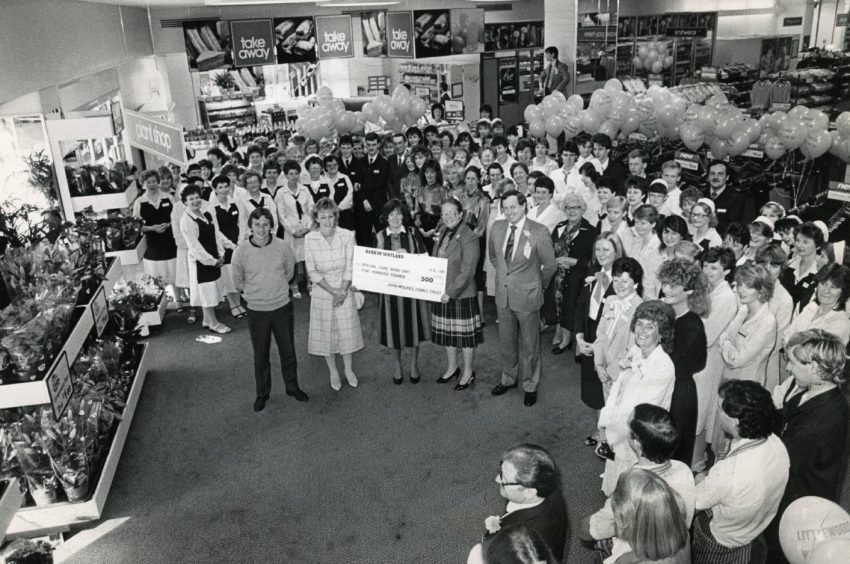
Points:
[(157, 137), (253, 43), (334, 37), (400, 34)]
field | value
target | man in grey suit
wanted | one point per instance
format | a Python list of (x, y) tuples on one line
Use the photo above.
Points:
[(522, 254)]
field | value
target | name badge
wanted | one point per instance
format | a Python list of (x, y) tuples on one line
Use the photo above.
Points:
[(166, 204), (376, 171), (806, 284), (234, 212), (721, 210)]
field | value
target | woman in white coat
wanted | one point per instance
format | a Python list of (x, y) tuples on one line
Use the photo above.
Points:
[(717, 264), (649, 377)]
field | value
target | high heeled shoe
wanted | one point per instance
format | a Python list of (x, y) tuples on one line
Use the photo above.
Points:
[(444, 379), (468, 383), (336, 383)]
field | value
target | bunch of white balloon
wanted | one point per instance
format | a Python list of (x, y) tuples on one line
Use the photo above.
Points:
[(717, 124), (653, 57), (395, 112)]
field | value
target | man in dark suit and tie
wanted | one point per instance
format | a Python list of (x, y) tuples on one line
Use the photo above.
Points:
[(556, 75), (528, 479), (613, 174), (375, 187), (522, 253), (728, 205), (350, 165), (398, 169)]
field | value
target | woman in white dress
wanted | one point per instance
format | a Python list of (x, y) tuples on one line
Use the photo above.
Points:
[(648, 376), (703, 223), (334, 321), (545, 211), (717, 264), (206, 256), (827, 311)]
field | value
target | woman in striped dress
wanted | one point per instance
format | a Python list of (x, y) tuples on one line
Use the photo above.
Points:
[(404, 321)]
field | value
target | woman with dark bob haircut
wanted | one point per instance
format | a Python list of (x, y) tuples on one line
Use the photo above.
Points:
[(800, 276), (649, 377), (827, 310), (404, 321), (428, 197), (673, 230)]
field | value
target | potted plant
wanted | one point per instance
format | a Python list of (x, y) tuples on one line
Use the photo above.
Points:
[(34, 460), (225, 81)]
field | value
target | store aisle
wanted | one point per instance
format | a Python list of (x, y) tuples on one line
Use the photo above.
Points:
[(380, 474)]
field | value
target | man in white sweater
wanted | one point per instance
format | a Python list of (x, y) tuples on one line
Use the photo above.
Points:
[(262, 266)]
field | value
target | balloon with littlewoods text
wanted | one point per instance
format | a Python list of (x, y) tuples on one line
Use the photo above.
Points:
[(807, 522)]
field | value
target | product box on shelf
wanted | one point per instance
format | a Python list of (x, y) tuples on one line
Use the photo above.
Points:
[(131, 256), (37, 392), (155, 317), (32, 521), (103, 202), (10, 503)]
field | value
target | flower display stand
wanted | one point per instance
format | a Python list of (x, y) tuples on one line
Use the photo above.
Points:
[(35, 521), (150, 318), (10, 503), (36, 392), (103, 202), (131, 256)]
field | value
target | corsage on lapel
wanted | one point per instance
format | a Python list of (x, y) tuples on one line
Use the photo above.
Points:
[(526, 250), (493, 523)]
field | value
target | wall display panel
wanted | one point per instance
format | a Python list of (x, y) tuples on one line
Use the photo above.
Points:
[(432, 33), (373, 26), (467, 31), (517, 35), (207, 44), (295, 40)]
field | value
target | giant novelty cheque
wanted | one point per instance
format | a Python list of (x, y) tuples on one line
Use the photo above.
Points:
[(399, 274)]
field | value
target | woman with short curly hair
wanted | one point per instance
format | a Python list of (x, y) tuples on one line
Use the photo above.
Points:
[(648, 377), (686, 288)]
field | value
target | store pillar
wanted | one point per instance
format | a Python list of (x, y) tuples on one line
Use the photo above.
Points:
[(560, 31)]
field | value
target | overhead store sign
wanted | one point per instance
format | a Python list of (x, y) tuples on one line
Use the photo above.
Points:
[(162, 139), (334, 37), (400, 34), (253, 43), (687, 32), (607, 34)]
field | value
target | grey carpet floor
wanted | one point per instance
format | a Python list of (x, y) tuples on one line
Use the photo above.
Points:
[(377, 474)]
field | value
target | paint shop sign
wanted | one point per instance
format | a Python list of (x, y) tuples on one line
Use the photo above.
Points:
[(333, 34), (253, 43)]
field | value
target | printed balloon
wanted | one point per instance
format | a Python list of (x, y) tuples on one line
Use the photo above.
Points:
[(774, 148), (807, 522)]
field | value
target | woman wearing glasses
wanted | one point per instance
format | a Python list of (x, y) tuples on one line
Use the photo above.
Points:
[(703, 223), (828, 310), (456, 320), (648, 377), (573, 240)]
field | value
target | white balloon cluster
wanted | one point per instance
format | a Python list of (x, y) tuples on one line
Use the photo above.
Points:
[(396, 112), (717, 123), (653, 57), (328, 118)]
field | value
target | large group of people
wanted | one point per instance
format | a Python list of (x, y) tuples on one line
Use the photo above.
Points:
[(693, 326)]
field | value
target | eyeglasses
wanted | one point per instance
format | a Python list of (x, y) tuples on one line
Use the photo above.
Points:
[(573, 208), (502, 481), (698, 215)]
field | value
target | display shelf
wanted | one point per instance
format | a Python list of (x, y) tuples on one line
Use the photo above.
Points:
[(33, 521), (219, 110), (10, 503), (36, 392), (103, 202), (151, 318), (131, 256)]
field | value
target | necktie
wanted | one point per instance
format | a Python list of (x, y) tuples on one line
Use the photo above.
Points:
[(346, 161), (298, 207), (714, 195), (509, 247), (601, 286), (549, 77)]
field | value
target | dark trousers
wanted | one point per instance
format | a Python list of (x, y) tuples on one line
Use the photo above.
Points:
[(262, 325)]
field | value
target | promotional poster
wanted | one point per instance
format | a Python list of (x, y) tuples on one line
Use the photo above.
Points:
[(432, 33), (295, 40)]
